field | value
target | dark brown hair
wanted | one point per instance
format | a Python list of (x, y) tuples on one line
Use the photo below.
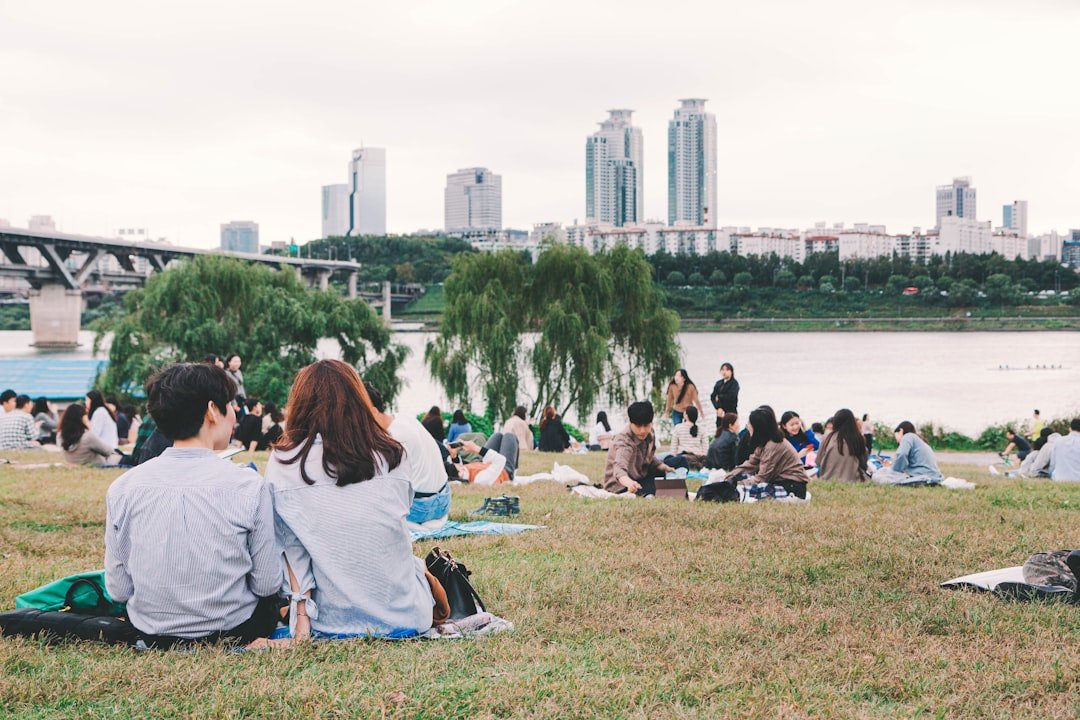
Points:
[(328, 399), (71, 427)]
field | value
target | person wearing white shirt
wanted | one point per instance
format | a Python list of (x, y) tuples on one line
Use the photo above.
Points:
[(1065, 457), (102, 420), (600, 435)]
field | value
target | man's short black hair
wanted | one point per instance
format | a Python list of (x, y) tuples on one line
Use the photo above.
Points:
[(251, 403), (640, 413), (375, 396), (1075, 424), (7, 395), (22, 401), (177, 397)]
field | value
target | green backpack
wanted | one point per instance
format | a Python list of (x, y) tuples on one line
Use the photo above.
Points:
[(54, 595)]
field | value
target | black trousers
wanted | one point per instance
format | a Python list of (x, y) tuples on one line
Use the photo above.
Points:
[(648, 486), (262, 622)]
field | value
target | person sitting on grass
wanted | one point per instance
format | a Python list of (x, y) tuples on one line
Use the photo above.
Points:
[(518, 425), (600, 435), (553, 435), (433, 423), (81, 445), (18, 431), (189, 537), (422, 463), (804, 441), (914, 462), (689, 444), (249, 434), (842, 456), (1065, 455), (341, 497), (631, 461), (459, 425), (722, 450), (1016, 442), (773, 459), (1037, 463)]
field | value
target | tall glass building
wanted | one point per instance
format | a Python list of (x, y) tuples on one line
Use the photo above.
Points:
[(692, 165), (614, 173)]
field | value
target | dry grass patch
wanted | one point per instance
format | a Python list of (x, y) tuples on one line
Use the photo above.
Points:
[(623, 609)]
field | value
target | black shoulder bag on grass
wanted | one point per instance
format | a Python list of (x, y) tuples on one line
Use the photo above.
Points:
[(73, 622), (454, 577)]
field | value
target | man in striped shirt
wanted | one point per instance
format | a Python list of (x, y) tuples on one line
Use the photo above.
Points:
[(189, 537)]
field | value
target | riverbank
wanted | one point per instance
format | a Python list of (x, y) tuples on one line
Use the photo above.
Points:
[(881, 324)]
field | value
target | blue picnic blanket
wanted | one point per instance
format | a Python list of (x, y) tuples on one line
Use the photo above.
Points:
[(478, 527)]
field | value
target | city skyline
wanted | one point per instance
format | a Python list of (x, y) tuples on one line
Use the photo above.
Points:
[(804, 133)]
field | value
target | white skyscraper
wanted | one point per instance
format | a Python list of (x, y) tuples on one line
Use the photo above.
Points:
[(956, 200), (367, 192), (473, 200), (1015, 217), (335, 210), (692, 165), (614, 177)]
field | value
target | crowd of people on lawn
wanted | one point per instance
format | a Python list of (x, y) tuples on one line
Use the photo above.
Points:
[(323, 540)]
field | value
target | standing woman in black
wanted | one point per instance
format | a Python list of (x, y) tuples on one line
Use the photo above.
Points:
[(725, 393)]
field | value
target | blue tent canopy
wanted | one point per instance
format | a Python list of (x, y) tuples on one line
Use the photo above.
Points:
[(54, 379)]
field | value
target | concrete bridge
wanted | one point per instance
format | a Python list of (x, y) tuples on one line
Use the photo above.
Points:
[(59, 266)]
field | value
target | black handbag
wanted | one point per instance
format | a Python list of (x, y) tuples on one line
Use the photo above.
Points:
[(75, 622), (722, 491), (454, 577)]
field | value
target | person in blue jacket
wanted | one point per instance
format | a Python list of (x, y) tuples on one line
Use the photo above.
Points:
[(804, 441), (458, 426)]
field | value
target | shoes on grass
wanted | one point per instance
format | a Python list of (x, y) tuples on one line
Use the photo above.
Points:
[(503, 506)]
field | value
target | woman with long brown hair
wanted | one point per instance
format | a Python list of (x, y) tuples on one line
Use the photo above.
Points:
[(340, 500)]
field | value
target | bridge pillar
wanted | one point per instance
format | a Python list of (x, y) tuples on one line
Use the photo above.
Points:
[(352, 285), (55, 315), (324, 279), (386, 301)]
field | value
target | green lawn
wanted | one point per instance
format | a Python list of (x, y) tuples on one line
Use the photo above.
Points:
[(623, 609)]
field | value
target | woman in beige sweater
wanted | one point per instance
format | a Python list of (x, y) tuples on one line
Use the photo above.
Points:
[(772, 458), (842, 456), (681, 394)]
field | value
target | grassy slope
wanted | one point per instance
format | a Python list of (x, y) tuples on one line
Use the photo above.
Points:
[(624, 609)]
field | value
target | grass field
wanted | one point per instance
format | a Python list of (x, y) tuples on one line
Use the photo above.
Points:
[(624, 609)]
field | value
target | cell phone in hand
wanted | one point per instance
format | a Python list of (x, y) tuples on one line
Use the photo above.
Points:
[(455, 445)]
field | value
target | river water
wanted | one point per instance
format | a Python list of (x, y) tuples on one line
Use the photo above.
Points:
[(964, 381)]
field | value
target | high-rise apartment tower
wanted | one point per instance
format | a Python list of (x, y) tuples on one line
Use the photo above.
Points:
[(614, 178), (692, 165)]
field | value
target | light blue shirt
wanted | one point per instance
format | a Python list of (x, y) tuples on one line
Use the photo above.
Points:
[(1065, 459), (455, 430), (915, 458), (351, 547), (189, 543)]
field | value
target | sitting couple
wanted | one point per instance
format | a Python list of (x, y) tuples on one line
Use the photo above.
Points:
[(202, 549)]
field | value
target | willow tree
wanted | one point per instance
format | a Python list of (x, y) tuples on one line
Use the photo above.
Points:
[(573, 327), (214, 304)]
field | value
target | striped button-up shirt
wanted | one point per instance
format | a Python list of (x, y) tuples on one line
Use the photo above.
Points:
[(190, 543)]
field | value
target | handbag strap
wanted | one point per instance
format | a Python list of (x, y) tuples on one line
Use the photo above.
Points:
[(102, 603)]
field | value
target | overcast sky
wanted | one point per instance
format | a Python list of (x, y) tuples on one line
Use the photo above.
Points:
[(181, 117)]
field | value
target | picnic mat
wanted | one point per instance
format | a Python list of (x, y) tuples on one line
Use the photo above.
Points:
[(478, 527), (478, 625)]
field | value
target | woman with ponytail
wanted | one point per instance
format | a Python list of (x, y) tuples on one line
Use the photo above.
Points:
[(689, 443)]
